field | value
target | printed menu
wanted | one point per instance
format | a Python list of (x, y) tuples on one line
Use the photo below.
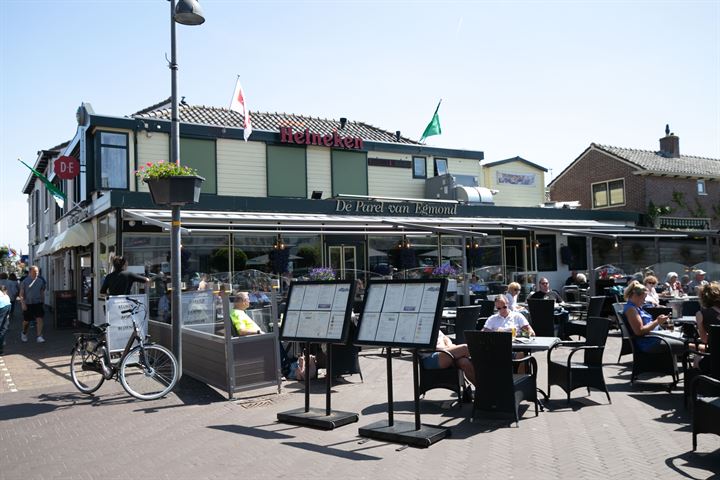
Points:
[(317, 311), (400, 313)]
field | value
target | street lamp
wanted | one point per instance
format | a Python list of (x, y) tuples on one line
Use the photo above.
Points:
[(187, 12)]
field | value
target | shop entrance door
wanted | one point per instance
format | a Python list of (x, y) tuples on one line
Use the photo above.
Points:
[(343, 259), (515, 256)]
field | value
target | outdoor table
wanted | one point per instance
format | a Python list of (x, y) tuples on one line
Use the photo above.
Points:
[(531, 345)]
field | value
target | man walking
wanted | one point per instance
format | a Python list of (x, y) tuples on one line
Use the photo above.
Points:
[(32, 300)]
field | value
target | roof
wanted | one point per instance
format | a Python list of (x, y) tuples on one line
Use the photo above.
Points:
[(657, 162), (41, 164), (514, 159), (268, 121)]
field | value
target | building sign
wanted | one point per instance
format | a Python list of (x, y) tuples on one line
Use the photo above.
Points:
[(67, 168), (323, 140), (423, 209), (524, 179)]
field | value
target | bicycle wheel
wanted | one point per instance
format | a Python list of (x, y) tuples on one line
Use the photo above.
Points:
[(85, 370), (150, 373)]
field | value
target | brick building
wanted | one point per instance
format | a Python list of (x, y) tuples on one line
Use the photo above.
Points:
[(674, 191)]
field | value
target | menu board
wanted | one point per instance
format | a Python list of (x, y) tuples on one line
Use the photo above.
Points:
[(66, 309), (318, 311), (120, 325), (402, 313)]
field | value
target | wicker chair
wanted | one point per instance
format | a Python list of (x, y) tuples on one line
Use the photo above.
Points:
[(570, 374), (705, 392)]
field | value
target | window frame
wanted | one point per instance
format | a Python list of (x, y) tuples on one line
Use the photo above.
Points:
[(436, 162), (99, 148), (608, 194), (701, 187), (415, 161)]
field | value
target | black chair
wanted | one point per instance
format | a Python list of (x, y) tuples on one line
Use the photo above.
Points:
[(466, 319), (571, 293), (498, 389), (625, 346), (705, 392), (578, 326), (709, 363), (448, 378), (542, 317), (487, 308), (570, 374), (662, 363), (690, 308)]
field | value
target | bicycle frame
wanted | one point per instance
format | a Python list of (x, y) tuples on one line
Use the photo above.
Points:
[(128, 346)]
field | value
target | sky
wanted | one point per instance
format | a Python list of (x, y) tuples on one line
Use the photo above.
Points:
[(536, 79)]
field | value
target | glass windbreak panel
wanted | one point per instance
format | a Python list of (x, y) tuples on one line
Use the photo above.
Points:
[(349, 173), (452, 252), (417, 258), (304, 254), (546, 252), (419, 167), (617, 192), (382, 257), (286, 172), (599, 192), (200, 155), (335, 258)]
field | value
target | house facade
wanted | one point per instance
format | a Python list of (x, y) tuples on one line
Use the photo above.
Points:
[(671, 191), (339, 193)]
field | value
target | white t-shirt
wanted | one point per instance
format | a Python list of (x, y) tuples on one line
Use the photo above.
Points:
[(498, 323)]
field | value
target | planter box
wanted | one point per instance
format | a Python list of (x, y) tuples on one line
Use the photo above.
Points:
[(179, 190)]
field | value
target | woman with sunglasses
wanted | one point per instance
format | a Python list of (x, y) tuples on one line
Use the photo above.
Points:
[(652, 299), (642, 323)]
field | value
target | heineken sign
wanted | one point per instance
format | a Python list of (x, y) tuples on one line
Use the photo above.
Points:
[(306, 137), (423, 209)]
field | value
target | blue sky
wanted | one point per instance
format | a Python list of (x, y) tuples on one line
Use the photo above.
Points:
[(538, 79)]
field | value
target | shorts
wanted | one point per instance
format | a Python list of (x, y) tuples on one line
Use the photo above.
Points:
[(33, 311), (432, 361)]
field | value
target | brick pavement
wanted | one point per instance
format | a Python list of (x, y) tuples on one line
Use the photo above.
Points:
[(49, 430)]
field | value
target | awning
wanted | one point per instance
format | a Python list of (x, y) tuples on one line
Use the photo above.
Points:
[(43, 248), (78, 235), (272, 222)]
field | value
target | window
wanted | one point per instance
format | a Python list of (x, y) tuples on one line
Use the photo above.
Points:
[(608, 194), (349, 173), (286, 172), (200, 155), (701, 187), (546, 253), (419, 166), (441, 166), (577, 258), (113, 160)]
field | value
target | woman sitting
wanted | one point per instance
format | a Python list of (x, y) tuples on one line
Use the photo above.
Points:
[(511, 297), (642, 323), (708, 315), (672, 287), (652, 299), (446, 354)]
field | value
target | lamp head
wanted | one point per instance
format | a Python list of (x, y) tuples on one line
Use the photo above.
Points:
[(189, 12)]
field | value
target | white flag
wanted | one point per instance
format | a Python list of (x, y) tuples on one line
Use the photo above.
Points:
[(239, 105)]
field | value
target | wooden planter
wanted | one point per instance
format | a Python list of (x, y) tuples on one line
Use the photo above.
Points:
[(178, 190)]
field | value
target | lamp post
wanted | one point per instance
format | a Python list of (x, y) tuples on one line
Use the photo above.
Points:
[(187, 12)]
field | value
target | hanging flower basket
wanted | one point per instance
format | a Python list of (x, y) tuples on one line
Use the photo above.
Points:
[(177, 190), (171, 184)]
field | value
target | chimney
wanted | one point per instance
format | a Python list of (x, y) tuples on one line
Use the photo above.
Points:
[(343, 121), (397, 135), (670, 144)]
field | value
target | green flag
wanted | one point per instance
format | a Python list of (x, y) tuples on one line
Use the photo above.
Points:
[(59, 196), (433, 128)]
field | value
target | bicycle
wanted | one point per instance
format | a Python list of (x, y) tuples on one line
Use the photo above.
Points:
[(147, 371)]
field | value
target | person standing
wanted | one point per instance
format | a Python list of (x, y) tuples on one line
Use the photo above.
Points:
[(32, 300), (4, 316), (120, 281), (13, 289)]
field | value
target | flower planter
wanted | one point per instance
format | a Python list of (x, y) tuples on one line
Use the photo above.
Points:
[(176, 190)]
